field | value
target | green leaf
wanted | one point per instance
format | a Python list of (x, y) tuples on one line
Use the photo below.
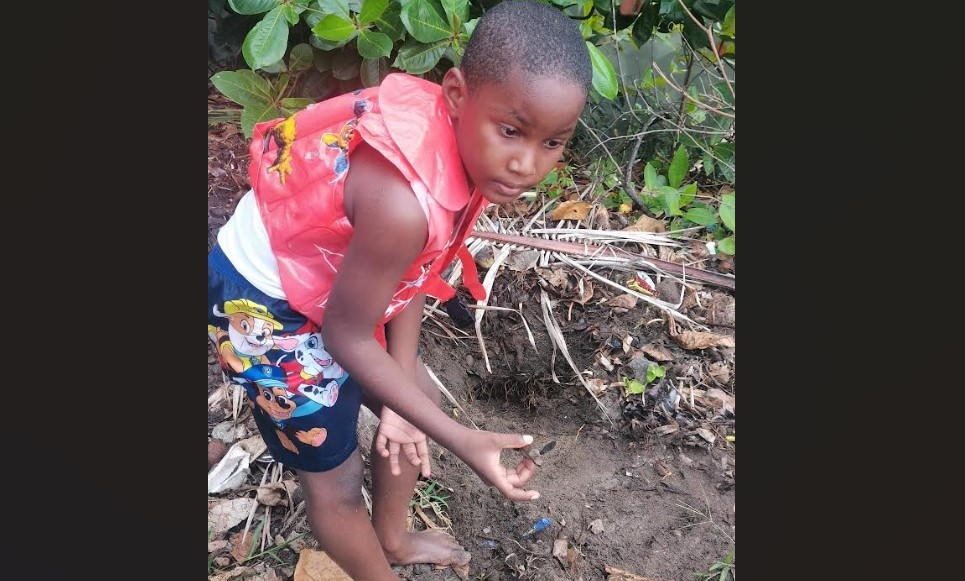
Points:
[(267, 40), (252, 6), (633, 386), (727, 246), (456, 10), (373, 71), (671, 200), (390, 23), (346, 64), (687, 194), (655, 371), (373, 45), (300, 57), (708, 164), (424, 22), (729, 27), (335, 28), (243, 87), (701, 216), (728, 208), (291, 14), (678, 167), (256, 114), (337, 7), (371, 10), (650, 177), (296, 102), (325, 45), (275, 67), (604, 77), (417, 58)]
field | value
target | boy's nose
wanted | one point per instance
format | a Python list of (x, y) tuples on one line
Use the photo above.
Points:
[(523, 163)]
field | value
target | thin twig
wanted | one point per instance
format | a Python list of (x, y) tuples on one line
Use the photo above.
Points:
[(686, 95), (713, 46), (593, 133)]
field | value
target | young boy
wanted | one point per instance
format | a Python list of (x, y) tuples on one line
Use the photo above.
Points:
[(317, 285)]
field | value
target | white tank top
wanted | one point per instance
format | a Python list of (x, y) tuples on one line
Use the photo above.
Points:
[(244, 241)]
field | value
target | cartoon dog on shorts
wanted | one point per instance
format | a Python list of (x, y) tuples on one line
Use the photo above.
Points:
[(318, 379), (249, 335), (268, 390)]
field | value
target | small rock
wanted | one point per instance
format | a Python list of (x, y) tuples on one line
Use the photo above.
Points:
[(216, 451), (469, 361), (596, 527), (227, 432), (685, 459), (669, 291), (222, 561), (487, 530)]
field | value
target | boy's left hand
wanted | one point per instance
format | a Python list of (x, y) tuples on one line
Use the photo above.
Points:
[(394, 434)]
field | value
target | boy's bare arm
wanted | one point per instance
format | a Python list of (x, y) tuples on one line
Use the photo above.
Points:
[(389, 232)]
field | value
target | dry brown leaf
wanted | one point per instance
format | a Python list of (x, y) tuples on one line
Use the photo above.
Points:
[(601, 218), (241, 546), (720, 371), (318, 566), (616, 574), (571, 210), (587, 292), (555, 277), (657, 352), (720, 399), (647, 224), (667, 429), (701, 339), (623, 301), (559, 550), (276, 493), (227, 513), (236, 573), (706, 434), (522, 260)]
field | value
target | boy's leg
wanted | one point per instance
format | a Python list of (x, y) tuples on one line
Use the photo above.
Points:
[(390, 502), (340, 521)]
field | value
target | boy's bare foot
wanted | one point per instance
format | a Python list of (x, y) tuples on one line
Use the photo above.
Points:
[(434, 547)]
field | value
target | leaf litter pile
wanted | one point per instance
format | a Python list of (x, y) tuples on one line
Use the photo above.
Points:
[(629, 325)]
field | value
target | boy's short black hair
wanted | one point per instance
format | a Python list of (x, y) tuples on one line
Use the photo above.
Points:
[(537, 39)]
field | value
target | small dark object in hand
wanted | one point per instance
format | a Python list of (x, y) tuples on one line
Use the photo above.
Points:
[(537, 454), (458, 312)]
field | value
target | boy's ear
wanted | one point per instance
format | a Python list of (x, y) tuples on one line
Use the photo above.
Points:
[(454, 91)]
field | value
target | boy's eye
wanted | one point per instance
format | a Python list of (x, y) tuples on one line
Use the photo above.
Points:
[(508, 131), (554, 143)]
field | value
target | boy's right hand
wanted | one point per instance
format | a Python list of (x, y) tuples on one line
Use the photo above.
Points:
[(481, 451)]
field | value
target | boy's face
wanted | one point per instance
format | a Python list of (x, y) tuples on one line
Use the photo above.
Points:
[(511, 135)]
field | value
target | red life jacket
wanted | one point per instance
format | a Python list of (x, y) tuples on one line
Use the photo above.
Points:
[(297, 171)]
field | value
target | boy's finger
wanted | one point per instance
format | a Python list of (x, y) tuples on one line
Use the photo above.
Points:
[(412, 454), (394, 458), (515, 441), (522, 473), (380, 442), (423, 449), (518, 494)]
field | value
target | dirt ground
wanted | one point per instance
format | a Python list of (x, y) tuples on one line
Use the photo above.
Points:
[(638, 484)]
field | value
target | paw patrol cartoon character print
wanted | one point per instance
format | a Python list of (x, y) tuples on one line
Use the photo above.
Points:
[(249, 335), (319, 375), (268, 391), (341, 139)]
